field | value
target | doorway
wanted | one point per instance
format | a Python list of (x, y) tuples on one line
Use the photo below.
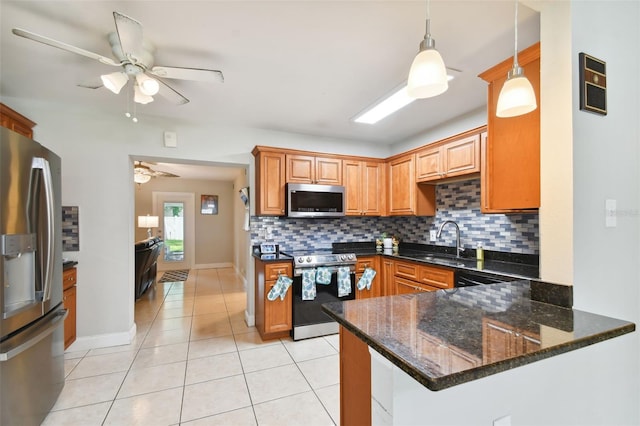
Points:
[(175, 211)]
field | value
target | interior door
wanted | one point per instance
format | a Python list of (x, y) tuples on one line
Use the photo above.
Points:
[(175, 211)]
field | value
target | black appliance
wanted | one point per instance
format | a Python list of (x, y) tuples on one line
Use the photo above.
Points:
[(308, 318), (468, 278), (312, 200)]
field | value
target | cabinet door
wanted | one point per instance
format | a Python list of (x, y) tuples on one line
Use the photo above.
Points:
[(402, 186), (388, 284), (277, 312), (353, 187), (462, 157), (512, 164), (428, 164), (436, 277), (300, 169), (355, 380), (328, 171), (373, 189), (69, 303), (376, 289), (270, 183)]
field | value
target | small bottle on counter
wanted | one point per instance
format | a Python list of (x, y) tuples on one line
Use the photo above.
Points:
[(479, 252)]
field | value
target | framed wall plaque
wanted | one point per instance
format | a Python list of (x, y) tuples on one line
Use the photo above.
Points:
[(593, 84), (208, 204)]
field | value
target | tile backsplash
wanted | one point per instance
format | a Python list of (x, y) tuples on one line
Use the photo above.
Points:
[(458, 201)]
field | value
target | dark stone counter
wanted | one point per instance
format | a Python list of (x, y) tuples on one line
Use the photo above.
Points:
[(512, 265), (449, 337)]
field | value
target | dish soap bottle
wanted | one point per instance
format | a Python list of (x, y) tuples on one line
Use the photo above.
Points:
[(479, 252)]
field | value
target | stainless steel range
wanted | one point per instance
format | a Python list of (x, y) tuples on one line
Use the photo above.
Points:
[(308, 318)]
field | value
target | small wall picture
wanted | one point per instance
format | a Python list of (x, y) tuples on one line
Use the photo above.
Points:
[(208, 204)]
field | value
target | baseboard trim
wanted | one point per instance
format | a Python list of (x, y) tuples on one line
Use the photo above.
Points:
[(103, 340), (249, 319)]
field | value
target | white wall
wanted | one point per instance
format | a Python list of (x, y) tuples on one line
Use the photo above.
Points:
[(97, 172)]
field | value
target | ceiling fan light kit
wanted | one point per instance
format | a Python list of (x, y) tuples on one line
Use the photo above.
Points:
[(114, 81), (134, 55), (516, 96), (428, 74)]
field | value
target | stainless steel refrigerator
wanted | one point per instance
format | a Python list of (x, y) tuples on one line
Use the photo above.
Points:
[(31, 324)]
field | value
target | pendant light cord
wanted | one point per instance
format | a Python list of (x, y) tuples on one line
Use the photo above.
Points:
[(515, 56), (428, 29)]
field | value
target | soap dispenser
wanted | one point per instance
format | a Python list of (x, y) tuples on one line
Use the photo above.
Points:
[(479, 252)]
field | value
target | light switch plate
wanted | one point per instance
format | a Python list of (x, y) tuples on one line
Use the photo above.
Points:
[(170, 139), (432, 235), (610, 213)]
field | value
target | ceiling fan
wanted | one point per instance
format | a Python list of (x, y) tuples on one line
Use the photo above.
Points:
[(134, 55), (142, 173)]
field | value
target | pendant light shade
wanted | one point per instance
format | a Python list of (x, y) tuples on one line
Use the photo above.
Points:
[(428, 75), (517, 96), (114, 81)]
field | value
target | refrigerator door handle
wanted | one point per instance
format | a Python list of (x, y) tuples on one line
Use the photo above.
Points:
[(43, 164), (9, 349)]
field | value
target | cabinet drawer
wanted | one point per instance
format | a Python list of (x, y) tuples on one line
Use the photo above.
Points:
[(363, 263), (407, 270), (436, 277), (407, 287), (69, 278), (273, 270)]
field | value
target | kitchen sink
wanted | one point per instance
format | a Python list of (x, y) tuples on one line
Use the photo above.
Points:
[(449, 259)]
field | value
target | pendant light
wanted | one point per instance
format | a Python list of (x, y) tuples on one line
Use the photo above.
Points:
[(428, 75), (517, 96), (114, 81)]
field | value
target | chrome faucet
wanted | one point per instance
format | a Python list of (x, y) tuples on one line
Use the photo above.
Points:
[(458, 248)]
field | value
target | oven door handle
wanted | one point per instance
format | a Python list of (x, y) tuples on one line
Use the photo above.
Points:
[(332, 269)]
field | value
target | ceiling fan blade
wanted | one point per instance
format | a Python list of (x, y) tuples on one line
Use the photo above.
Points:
[(130, 34), (195, 74), (159, 173), (90, 85), (171, 94), (64, 46)]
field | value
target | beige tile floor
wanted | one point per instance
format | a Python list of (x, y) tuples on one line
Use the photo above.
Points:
[(195, 362)]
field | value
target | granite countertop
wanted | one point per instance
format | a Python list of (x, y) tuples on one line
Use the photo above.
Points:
[(513, 265), (273, 257), (420, 332)]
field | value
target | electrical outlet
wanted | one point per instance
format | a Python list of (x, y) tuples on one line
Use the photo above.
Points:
[(502, 421), (610, 213), (432, 235)]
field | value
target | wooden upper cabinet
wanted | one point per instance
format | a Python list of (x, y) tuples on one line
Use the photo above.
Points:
[(511, 153), (364, 183), (270, 180), (313, 169), (405, 196), (15, 121), (449, 159)]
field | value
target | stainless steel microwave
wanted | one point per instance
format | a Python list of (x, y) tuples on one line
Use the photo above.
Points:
[(311, 200)]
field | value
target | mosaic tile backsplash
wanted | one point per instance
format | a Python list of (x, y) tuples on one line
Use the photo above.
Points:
[(70, 229), (458, 201)]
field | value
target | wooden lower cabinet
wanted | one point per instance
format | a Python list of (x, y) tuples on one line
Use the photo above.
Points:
[(355, 380), (273, 317), (69, 277), (376, 289), (411, 277)]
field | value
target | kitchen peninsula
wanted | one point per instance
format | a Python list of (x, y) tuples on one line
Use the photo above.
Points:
[(433, 341)]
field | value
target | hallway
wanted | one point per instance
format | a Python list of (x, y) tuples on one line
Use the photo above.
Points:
[(194, 361)]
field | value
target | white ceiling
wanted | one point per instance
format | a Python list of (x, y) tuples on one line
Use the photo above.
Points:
[(297, 66)]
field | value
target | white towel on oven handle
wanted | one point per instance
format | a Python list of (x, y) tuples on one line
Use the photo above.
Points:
[(344, 281), (308, 284)]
